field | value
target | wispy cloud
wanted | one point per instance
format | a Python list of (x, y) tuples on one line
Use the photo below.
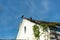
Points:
[(31, 7), (44, 6), (40, 10)]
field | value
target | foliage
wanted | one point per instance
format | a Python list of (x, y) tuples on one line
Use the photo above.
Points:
[(44, 27), (36, 31)]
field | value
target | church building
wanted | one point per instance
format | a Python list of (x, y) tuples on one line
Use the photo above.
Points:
[(27, 31)]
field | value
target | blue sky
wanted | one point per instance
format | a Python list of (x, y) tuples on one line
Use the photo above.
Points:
[(12, 10)]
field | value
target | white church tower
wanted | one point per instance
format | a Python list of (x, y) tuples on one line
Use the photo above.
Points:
[(26, 30)]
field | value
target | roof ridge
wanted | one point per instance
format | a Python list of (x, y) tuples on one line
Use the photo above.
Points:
[(39, 22)]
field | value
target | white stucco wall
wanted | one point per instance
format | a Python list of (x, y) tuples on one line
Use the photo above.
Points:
[(29, 35)]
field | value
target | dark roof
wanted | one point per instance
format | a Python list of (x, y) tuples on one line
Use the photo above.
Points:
[(39, 22)]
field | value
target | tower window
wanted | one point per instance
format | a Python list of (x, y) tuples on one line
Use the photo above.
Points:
[(25, 29)]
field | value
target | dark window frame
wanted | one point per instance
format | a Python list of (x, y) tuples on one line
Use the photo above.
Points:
[(25, 29)]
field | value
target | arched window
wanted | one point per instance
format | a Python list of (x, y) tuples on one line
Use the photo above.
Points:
[(25, 29)]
